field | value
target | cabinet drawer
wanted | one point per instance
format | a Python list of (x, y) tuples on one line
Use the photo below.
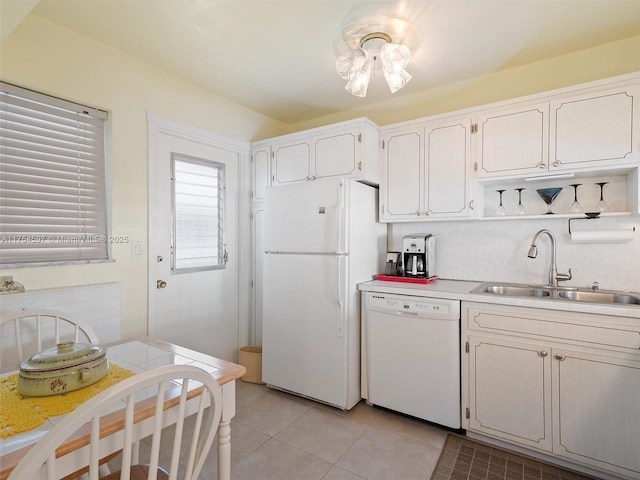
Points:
[(597, 330)]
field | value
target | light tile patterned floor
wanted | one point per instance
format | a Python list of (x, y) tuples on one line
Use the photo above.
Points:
[(278, 436)]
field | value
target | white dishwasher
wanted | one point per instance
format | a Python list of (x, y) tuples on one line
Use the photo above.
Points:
[(412, 355)]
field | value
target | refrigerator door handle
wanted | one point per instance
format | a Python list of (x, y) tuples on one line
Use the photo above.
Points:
[(341, 291), (342, 247)]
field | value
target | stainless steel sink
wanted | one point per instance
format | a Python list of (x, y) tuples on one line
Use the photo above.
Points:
[(599, 297), (515, 290), (607, 297)]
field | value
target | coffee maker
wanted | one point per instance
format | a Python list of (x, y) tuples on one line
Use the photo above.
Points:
[(418, 255)]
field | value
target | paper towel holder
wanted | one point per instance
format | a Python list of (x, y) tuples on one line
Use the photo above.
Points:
[(587, 216)]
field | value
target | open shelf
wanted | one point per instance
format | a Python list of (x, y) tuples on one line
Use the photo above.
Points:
[(620, 192)]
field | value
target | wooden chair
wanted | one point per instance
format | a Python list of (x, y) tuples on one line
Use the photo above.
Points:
[(35, 330), (115, 419)]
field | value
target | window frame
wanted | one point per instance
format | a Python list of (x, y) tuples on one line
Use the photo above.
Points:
[(221, 250)]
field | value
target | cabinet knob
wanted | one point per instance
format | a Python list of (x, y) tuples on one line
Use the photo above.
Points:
[(556, 163), (559, 357), (542, 165), (542, 353)]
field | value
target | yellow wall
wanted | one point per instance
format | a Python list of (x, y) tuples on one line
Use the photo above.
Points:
[(608, 60), (44, 57)]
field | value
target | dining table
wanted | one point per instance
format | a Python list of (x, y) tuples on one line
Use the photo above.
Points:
[(138, 355)]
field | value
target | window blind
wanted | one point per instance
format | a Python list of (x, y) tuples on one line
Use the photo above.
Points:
[(52, 180), (198, 200)]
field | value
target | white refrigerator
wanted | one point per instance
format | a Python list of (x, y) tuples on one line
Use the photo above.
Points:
[(321, 239)]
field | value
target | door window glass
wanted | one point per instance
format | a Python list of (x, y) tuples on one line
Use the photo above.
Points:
[(198, 214)]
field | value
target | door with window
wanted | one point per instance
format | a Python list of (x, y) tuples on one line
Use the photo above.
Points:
[(193, 240)]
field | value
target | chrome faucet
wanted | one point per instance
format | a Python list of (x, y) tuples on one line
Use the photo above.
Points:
[(554, 276)]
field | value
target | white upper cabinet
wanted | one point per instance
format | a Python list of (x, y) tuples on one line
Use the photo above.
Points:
[(291, 161), (513, 141), (402, 186), (260, 160), (447, 159), (349, 149), (425, 171), (595, 129), (335, 154)]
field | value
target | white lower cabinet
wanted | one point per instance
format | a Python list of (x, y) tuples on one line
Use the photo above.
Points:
[(562, 383), (510, 396), (596, 400)]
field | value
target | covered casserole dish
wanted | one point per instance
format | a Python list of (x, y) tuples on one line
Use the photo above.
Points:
[(64, 368)]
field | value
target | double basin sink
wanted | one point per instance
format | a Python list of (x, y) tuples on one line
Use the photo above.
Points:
[(607, 297)]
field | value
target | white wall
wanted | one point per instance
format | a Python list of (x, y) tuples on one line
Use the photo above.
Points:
[(496, 250)]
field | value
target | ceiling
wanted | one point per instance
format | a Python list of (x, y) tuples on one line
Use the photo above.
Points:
[(274, 56)]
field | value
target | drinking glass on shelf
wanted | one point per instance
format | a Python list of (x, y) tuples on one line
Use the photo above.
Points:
[(548, 195), (500, 211), (520, 208), (603, 206), (575, 206)]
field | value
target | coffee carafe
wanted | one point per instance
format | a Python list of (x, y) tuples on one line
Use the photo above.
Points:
[(418, 255)]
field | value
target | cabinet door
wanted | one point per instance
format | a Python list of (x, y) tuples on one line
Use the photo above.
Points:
[(336, 155), (512, 142), (598, 411), (257, 246), (259, 172), (595, 129), (403, 174), (510, 391), (291, 162), (447, 150)]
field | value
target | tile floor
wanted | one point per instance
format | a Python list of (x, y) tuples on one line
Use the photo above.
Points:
[(466, 459), (277, 436)]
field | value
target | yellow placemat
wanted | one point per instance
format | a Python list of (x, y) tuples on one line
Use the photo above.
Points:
[(19, 414)]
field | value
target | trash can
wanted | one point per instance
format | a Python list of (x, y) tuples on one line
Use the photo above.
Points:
[(250, 357)]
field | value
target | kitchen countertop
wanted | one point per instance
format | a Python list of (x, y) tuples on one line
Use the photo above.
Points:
[(461, 290)]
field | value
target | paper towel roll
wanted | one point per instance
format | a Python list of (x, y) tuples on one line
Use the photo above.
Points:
[(602, 236)]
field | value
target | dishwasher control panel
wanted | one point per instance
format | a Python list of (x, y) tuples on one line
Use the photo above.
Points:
[(413, 306)]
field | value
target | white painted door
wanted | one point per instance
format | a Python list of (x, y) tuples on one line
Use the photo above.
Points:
[(510, 391), (291, 162), (447, 151), (401, 189), (595, 405), (196, 309), (336, 154), (513, 141), (595, 128)]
